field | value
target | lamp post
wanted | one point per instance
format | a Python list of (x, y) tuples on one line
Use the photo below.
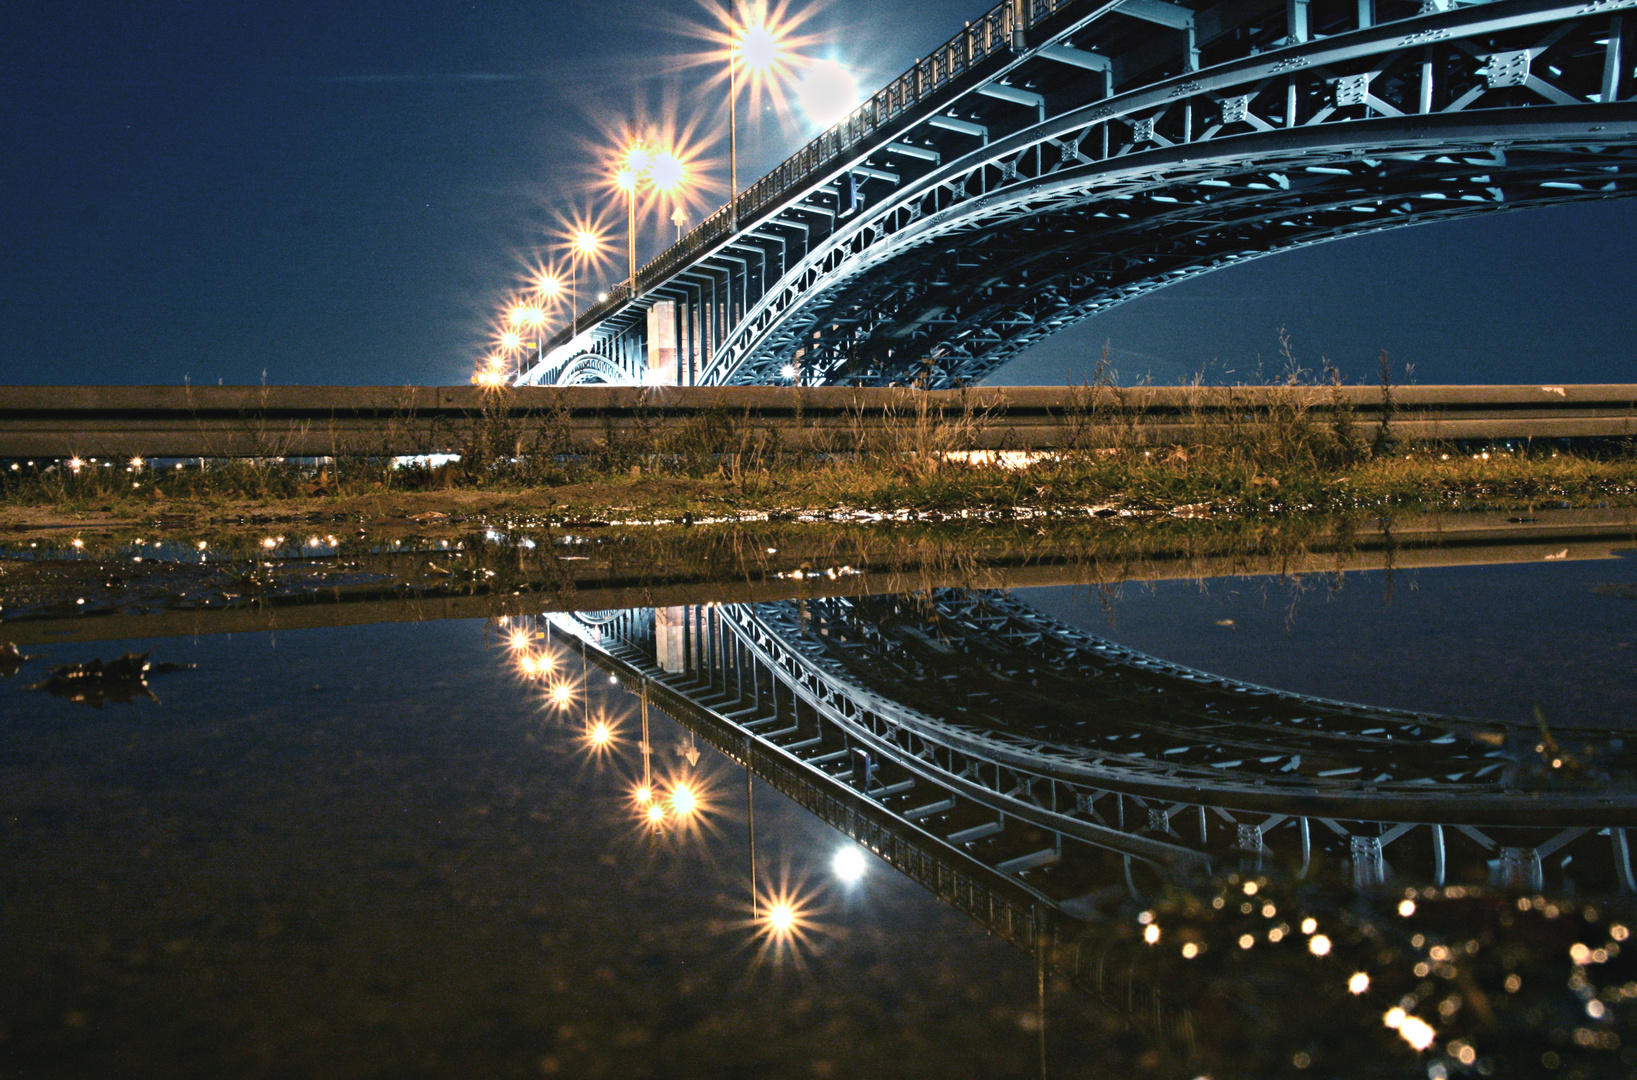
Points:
[(582, 244), (733, 115), (637, 162)]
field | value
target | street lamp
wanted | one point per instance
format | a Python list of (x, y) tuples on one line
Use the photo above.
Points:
[(627, 178), (763, 44), (524, 317), (583, 244), (661, 171)]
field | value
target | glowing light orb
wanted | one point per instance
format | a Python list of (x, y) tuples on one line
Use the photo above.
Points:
[(600, 734), (645, 797), (684, 800), (523, 315), (1189, 951), (788, 371), (760, 50), (1359, 983), (1406, 908), (1416, 1031), (562, 694), (781, 917), (1152, 933), (827, 93), (849, 864), (1318, 945), (549, 286), (586, 242), (510, 340), (667, 172), (656, 813)]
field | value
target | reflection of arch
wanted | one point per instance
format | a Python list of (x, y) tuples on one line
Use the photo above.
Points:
[(771, 710), (1171, 765)]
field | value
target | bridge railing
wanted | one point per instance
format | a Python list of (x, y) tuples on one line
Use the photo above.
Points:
[(993, 33)]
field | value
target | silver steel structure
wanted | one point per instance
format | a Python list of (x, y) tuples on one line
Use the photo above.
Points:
[(1061, 156), (1061, 762)]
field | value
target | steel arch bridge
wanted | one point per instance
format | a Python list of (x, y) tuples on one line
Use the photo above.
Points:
[(1054, 762), (1058, 157)]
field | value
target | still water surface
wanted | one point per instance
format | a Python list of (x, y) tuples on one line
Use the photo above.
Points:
[(390, 850)]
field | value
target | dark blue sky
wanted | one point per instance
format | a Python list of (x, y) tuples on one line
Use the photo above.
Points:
[(343, 192)]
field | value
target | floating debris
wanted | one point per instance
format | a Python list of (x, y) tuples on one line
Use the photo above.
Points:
[(121, 680)]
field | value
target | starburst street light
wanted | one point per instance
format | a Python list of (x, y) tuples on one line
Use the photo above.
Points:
[(627, 178), (760, 42), (583, 243), (663, 171)]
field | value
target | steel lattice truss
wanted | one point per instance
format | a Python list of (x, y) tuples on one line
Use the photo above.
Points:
[(1062, 162), (1043, 751)]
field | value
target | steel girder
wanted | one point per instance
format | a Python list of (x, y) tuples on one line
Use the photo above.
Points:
[(1110, 149), (1485, 108)]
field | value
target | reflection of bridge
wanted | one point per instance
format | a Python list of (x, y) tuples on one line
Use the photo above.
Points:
[(1060, 156), (1043, 753)]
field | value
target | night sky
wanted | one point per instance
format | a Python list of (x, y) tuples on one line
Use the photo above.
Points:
[(344, 192)]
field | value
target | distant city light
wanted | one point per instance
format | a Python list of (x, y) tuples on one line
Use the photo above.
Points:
[(1417, 1032), (849, 864)]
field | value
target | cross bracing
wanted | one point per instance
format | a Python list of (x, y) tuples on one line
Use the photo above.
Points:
[(1057, 158), (1044, 752)]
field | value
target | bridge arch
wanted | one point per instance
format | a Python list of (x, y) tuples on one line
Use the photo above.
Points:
[(1063, 156), (590, 369)]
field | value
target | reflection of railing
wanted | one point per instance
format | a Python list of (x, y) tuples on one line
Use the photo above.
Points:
[(945, 67)]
